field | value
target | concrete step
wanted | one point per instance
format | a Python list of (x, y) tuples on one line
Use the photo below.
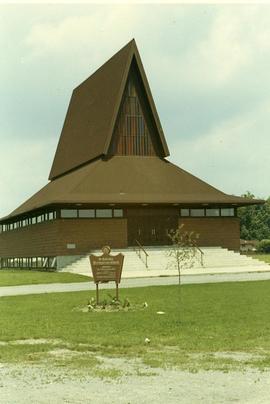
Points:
[(215, 259)]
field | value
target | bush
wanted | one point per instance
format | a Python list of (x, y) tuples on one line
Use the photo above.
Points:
[(264, 246)]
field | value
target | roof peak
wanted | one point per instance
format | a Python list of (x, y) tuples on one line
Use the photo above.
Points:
[(129, 46), (93, 111)]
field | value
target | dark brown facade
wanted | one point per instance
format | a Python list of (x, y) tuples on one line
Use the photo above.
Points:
[(110, 182)]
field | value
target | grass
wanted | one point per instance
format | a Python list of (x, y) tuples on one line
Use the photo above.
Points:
[(198, 325), (15, 277)]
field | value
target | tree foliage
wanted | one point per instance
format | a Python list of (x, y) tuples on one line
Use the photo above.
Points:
[(255, 220)]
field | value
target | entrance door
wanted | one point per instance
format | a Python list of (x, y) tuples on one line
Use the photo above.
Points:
[(151, 230)]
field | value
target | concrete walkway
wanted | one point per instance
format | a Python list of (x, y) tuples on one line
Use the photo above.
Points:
[(131, 283)]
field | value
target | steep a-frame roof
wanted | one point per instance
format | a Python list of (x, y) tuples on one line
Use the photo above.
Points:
[(93, 111)]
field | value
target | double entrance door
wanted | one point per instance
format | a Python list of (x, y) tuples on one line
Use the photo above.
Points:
[(151, 230)]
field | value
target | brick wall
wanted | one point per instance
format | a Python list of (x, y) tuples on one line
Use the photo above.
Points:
[(51, 238), (224, 232)]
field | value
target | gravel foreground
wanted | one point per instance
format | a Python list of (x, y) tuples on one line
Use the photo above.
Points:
[(38, 385)]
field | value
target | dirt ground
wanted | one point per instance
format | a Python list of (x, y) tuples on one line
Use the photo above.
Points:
[(39, 384)]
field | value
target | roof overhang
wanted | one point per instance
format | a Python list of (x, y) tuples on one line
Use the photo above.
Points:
[(130, 181)]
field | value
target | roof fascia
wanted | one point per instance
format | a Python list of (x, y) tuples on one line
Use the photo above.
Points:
[(55, 204), (151, 101)]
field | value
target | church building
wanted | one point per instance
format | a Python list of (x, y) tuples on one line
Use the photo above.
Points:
[(110, 182)]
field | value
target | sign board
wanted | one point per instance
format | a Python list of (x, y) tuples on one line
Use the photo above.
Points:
[(106, 267)]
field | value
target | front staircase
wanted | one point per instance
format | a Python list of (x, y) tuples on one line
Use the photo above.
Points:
[(215, 260)]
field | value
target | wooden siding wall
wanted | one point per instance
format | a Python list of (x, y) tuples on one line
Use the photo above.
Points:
[(224, 232), (31, 241), (96, 233), (51, 238)]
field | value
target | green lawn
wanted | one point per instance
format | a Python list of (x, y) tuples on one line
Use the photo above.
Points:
[(12, 277), (211, 318)]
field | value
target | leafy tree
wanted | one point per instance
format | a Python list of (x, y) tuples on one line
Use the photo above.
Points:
[(254, 220)]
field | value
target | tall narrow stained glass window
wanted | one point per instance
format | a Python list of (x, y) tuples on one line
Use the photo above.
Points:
[(131, 136)]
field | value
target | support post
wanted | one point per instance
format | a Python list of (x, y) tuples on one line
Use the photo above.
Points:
[(97, 297), (117, 296)]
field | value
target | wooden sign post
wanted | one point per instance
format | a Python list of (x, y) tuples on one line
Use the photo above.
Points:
[(106, 268)]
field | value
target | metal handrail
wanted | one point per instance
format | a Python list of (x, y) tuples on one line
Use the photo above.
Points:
[(201, 252), (138, 251)]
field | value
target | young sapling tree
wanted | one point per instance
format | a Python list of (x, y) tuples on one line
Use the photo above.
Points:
[(183, 250)]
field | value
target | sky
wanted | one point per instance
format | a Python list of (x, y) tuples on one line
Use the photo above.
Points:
[(208, 68)]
